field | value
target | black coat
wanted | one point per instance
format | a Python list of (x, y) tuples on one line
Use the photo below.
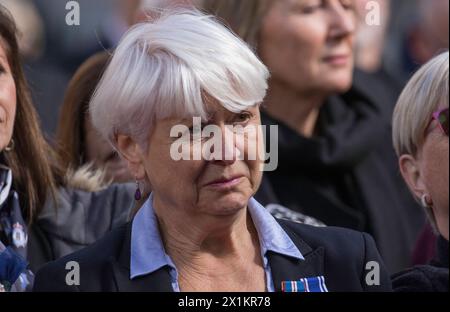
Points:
[(339, 255), (426, 278), (347, 175)]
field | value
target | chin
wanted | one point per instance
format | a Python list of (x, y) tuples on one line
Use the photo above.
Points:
[(228, 204), (338, 81), (341, 84)]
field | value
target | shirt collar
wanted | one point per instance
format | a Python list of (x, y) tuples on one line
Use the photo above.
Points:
[(147, 249), (148, 253), (271, 235)]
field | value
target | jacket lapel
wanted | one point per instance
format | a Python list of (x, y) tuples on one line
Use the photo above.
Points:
[(158, 281), (283, 268), (286, 268)]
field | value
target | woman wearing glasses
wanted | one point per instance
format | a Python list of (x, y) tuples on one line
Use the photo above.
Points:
[(420, 133)]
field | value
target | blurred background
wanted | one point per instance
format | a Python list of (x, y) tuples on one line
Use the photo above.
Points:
[(410, 33)]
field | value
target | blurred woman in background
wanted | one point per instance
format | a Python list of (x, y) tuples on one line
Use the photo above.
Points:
[(335, 160), (78, 143), (420, 134), (27, 173), (41, 216)]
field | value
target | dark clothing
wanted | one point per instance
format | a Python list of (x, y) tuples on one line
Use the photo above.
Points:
[(426, 278), (347, 175), (339, 255), (13, 229), (80, 219), (425, 247), (380, 88)]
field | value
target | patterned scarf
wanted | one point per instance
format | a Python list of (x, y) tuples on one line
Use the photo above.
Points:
[(14, 235)]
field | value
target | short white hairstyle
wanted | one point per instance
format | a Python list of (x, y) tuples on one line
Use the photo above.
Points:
[(424, 94), (167, 68)]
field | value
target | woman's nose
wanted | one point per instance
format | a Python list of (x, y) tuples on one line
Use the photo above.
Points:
[(342, 23), (228, 152)]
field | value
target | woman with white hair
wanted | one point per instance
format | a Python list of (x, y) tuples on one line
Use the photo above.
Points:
[(420, 134), (184, 81)]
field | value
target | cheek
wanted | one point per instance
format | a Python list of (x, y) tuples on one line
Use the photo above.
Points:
[(293, 41), (250, 145), (436, 171), (7, 111), (255, 174), (8, 99), (294, 46), (310, 37), (176, 179)]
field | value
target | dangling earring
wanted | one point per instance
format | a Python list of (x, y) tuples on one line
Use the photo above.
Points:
[(137, 194), (423, 201), (10, 146)]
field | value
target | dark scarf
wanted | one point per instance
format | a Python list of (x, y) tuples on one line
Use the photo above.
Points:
[(347, 174), (426, 278), (13, 229), (328, 166), (14, 275)]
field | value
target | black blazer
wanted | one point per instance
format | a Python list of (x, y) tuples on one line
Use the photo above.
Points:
[(340, 255)]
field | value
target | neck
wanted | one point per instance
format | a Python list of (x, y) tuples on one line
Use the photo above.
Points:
[(298, 110), (192, 240)]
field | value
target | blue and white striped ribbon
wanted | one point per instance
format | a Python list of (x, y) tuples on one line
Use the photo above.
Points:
[(309, 284)]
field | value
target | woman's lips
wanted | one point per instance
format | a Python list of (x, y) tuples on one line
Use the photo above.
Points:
[(225, 183), (337, 60)]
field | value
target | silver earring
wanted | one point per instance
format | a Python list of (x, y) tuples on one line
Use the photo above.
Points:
[(423, 201), (10, 146)]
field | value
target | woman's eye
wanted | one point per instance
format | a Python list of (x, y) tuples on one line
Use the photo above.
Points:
[(243, 117), (197, 129), (348, 5), (309, 8)]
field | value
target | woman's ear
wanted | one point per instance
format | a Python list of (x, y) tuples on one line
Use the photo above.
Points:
[(132, 152), (410, 169)]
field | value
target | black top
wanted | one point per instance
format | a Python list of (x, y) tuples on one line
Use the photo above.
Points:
[(340, 255), (426, 278), (347, 175)]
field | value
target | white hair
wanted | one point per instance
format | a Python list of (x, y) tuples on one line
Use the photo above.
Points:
[(424, 93), (166, 68)]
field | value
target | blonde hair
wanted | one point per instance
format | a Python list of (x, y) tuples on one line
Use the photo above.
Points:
[(243, 16), (425, 93)]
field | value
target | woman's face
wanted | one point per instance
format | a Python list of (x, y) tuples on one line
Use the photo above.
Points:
[(308, 44), (212, 185), (433, 165), (7, 100), (102, 155)]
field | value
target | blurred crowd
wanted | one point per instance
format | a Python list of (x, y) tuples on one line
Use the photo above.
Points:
[(410, 32)]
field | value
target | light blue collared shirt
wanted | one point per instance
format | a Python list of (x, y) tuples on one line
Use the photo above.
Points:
[(148, 253)]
